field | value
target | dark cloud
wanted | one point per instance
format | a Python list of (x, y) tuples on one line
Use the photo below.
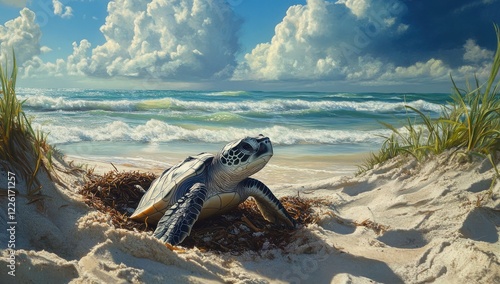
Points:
[(439, 29)]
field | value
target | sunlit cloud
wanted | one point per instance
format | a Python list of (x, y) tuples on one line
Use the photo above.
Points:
[(64, 12), (167, 39), (194, 41), (21, 34)]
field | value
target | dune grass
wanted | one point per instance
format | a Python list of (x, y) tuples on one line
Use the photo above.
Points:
[(22, 150), (469, 123)]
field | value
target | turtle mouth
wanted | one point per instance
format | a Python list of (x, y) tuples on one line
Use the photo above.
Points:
[(264, 150)]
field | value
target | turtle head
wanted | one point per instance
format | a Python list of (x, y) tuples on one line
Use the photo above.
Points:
[(246, 156)]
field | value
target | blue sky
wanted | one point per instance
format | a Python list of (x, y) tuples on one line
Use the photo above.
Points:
[(337, 45)]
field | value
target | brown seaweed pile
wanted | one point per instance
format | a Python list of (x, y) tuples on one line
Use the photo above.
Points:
[(115, 193), (242, 229)]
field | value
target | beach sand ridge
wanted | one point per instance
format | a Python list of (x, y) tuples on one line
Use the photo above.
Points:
[(402, 222)]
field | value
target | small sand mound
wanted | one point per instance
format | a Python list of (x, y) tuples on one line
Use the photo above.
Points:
[(243, 229)]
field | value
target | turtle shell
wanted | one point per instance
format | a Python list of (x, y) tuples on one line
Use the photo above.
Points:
[(171, 186)]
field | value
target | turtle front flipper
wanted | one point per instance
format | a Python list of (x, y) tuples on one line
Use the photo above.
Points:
[(176, 223), (270, 207)]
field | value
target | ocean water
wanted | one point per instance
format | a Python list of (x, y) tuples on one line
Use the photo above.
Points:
[(309, 130)]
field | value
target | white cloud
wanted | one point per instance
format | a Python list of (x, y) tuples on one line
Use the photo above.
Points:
[(357, 7), (479, 65), (478, 61), (167, 39), (311, 43), (192, 40), (302, 46), (156, 39), (78, 62), (75, 64), (45, 49), (434, 69), (21, 34), (474, 53), (61, 10), (371, 69), (37, 68)]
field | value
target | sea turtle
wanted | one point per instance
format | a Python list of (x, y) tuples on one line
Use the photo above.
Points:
[(204, 185)]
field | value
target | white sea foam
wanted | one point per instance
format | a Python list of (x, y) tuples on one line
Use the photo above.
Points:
[(61, 103), (280, 106), (43, 102), (158, 131)]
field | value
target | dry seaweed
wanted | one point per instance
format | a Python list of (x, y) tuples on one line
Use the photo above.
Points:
[(379, 229), (116, 194), (242, 229)]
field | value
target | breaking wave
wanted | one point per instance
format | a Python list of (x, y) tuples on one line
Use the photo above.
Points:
[(46, 103), (155, 131)]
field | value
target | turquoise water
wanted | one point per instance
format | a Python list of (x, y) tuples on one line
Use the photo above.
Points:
[(159, 124)]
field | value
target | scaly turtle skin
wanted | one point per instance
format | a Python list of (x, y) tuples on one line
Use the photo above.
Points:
[(205, 185)]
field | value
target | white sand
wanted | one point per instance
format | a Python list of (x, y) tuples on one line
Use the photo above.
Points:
[(434, 233)]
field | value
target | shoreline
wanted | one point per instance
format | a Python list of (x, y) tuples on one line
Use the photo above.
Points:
[(280, 171)]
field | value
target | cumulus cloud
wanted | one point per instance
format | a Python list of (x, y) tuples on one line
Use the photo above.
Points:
[(433, 68), (159, 39), (185, 40), (37, 68), (312, 43), (359, 41), (167, 39), (45, 49), (61, 10), (21, 34), (357, 7), (477, 62), (474, 53), (76, 64)]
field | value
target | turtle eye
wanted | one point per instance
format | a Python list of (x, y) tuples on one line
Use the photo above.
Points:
[(247, 147)]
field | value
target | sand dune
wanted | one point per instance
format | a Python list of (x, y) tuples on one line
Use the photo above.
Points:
[(402, 222)]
